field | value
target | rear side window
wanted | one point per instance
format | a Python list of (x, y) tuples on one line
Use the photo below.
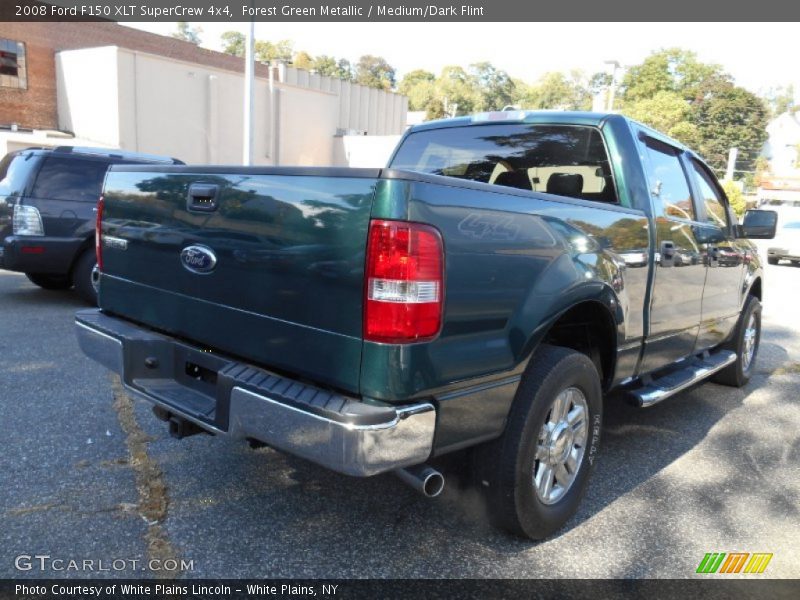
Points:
[(668, 184), (557, 159), (70, 179), (15, 171)]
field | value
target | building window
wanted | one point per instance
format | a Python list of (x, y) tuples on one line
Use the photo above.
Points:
[(13, 71)]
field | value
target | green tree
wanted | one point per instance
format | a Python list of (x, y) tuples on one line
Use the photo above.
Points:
[(735, 197), (667, 112), (303, 60), (556, 90), (670, 70), (266, 51), (344, 70), (324, 65), (698, 104), (187, 33), (455, 92), (375, 72), (730, 117), (493, 88), (233, 43), (780, 100), (420, 87)]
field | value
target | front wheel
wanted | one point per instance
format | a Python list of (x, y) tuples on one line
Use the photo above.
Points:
[(772, 260), (535, 475), (744, 342)]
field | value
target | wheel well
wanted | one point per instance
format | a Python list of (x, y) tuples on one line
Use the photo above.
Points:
[(86, 245), (588, 328), (755, 289)]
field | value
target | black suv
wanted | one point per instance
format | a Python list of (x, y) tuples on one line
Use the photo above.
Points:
[(48, 201)]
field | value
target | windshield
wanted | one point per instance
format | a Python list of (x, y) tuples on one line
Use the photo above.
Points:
[(557, 159)]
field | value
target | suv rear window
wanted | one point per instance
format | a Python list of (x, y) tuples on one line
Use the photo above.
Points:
[(557, 159), (15, 169), (70, 179)]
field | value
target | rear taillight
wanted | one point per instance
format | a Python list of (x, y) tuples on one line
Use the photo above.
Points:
[(98, 234), (27, 220), (404, 283)]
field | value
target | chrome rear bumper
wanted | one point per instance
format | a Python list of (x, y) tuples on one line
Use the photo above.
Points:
[(340, 433)]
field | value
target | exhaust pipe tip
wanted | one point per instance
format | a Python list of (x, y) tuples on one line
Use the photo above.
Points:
[(423, 478)]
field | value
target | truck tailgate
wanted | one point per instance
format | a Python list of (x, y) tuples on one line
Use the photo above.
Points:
[(277, 277)]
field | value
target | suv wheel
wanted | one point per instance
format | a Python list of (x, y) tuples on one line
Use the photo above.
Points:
[(82, 276), (49, 282), (535, 475), (744, 342)]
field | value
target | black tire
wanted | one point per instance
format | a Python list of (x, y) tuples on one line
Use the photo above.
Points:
[(82, 276), (737, 374), (772, 260), (504, 468), (50, 282)]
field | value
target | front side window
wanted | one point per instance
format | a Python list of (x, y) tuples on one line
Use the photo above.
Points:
[(13, 66), (70, 179), (557, 159), (712, 198), (668, 184)]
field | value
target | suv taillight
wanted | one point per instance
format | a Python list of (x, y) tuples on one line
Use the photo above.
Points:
[(98, 235), (404, 282), (27, 220)]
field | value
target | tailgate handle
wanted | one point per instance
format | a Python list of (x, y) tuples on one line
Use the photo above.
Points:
[(202, 197)]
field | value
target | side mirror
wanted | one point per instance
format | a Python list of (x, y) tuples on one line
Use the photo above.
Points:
[(708, 234), (759, 224)]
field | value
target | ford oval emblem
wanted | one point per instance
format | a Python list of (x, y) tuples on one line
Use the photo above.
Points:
[(198, 259)]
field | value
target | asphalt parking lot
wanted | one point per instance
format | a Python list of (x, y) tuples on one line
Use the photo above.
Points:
[(88, 473)]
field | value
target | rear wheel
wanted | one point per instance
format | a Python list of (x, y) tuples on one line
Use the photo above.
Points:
[(49, 282), (535, 475), (83, 276), (744, 342)]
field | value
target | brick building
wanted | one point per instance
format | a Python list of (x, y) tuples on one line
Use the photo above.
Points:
[(29, 98), (111, 85)]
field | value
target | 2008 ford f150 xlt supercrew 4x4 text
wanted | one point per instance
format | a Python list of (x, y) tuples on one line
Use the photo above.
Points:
[(486, 290)]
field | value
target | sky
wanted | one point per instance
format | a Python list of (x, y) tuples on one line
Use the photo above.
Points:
[(760, 56)]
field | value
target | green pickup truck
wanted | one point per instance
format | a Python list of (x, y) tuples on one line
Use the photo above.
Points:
[(487, 290)]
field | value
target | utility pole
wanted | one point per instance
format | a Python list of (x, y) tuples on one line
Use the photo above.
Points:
[(732, 154), (247, 149), (612, 88)]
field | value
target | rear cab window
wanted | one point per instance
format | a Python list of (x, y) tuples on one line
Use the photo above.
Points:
[(74, 179), (567, 160)]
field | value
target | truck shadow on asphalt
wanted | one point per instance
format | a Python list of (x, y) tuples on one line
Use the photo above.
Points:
[(38, 297), (302, 520)]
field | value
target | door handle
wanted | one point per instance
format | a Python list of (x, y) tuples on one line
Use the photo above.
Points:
[(202, 197), (667, 252)]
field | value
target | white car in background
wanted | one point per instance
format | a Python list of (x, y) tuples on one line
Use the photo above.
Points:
[(786, 245)]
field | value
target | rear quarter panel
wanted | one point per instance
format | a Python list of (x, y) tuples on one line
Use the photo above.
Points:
[(514, 261)]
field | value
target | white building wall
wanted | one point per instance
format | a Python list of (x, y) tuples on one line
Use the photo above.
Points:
[(88, 94), (147, 103)]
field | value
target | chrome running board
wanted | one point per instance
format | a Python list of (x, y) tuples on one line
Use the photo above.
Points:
[(696, 369)]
